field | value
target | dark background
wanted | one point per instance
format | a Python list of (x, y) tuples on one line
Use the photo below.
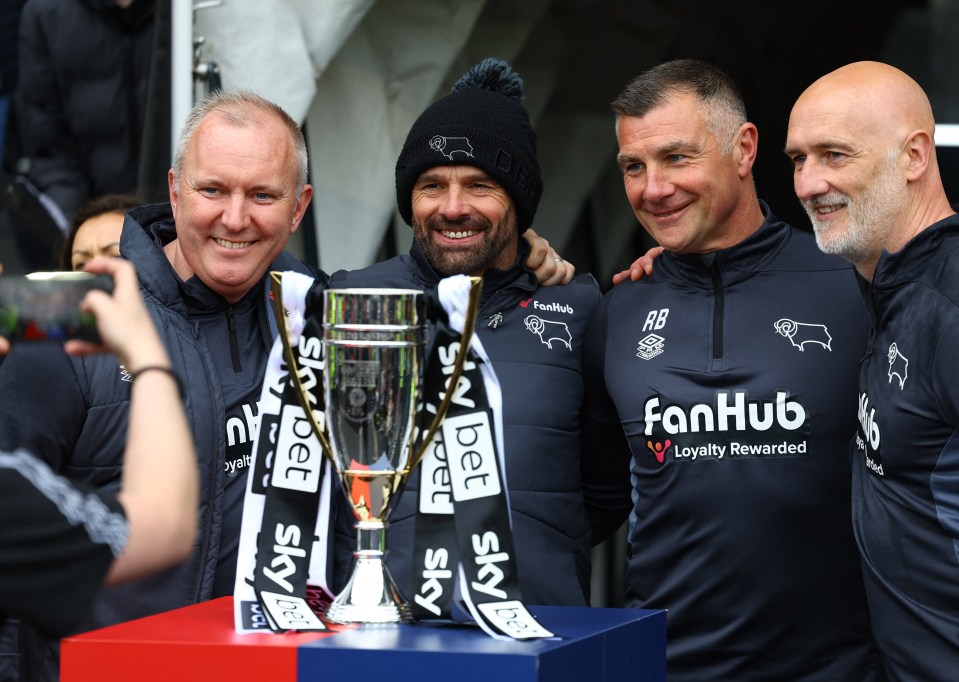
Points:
[(774, 51)]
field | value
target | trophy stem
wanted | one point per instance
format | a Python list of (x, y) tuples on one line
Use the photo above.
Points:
[(370, 597)]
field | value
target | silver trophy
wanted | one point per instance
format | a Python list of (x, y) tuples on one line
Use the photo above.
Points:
[(374, 347)]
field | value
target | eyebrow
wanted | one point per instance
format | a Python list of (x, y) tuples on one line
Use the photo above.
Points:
[(82, 252), (266, 189), (676, 145), (434, 175), (213, 181), (819, 146), (663, 150)]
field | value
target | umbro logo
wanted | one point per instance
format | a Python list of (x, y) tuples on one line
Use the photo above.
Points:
[(650, 346)]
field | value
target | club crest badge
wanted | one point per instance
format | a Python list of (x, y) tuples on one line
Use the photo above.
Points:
[(549, 331), (447, 146), (802, 334), (898, 365)]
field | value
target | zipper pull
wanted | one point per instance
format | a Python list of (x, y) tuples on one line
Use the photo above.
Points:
[(494, 320)]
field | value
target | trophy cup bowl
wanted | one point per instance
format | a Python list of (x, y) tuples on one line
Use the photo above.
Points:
[(374, 346)]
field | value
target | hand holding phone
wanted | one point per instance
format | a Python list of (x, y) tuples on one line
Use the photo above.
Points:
[(109, 298), (46, 306), (124, 324)]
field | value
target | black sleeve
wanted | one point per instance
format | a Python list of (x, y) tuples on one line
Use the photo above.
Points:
[(318, 274), (605, 450), (56, 165), (57, 543), (43, 408)]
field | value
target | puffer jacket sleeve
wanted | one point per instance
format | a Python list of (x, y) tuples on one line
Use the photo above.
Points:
[(43, 407), (42, 410), (56, 166), (605, 458)]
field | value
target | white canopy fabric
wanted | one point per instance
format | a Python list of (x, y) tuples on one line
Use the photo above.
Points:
[(359, 72)]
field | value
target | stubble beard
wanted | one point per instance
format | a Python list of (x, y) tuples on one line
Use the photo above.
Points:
[(869, 218), (466, 260)]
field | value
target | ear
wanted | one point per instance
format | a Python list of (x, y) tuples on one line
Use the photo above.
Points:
[(301, 205), (173, 193), (745, 146), (918, 149)]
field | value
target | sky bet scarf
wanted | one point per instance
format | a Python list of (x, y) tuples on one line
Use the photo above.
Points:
[(463, 528), (281, 567)]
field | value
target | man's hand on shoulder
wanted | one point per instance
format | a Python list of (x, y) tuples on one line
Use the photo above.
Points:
[(550, 268), (640, 267)]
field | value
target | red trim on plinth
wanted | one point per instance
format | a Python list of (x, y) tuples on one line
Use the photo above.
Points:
[(196, 642)]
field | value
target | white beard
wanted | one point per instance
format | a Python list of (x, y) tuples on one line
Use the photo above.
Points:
[(869, 219)]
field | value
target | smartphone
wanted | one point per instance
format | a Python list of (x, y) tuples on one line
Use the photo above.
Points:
[(44, 306)]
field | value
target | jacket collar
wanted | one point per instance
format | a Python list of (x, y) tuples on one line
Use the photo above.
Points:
[(910, 262), (138, 245), (494, 279), (732, 264)]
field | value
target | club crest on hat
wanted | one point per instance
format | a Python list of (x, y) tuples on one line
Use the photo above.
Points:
[(448, 146)]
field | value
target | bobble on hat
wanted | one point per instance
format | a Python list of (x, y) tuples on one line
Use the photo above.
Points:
[(494, 75), (481, 123)]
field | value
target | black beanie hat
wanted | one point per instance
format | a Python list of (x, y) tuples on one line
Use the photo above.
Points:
[(481, 123)]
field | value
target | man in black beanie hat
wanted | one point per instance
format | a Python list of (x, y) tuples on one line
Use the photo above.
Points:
[(474, 144), (468, 182)]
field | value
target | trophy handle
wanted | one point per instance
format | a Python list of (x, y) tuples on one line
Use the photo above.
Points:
[(469, 326), (276, 281)]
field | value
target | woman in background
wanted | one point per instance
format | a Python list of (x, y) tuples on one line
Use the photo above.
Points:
[(95, 230)]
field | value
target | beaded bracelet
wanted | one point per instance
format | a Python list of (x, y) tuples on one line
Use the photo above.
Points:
[(165, 370)]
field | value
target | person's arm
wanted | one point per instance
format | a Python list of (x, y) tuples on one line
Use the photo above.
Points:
[(56, 167), (606, 456), (160, 488), (945, 368), (549, 267), (45, 417)]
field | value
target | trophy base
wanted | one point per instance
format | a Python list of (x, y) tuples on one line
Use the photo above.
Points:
[(370, 597)]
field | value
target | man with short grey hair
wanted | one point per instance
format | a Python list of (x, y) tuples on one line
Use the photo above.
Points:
[(236, 195)]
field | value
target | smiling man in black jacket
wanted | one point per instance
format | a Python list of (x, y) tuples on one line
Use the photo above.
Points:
[(237, 191), (468, 182), (861, 140)]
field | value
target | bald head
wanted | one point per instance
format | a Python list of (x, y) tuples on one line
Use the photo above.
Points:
[(870, 97), (861, 142)]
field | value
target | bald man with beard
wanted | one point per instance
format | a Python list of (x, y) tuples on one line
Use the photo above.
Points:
[(862, 146)]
